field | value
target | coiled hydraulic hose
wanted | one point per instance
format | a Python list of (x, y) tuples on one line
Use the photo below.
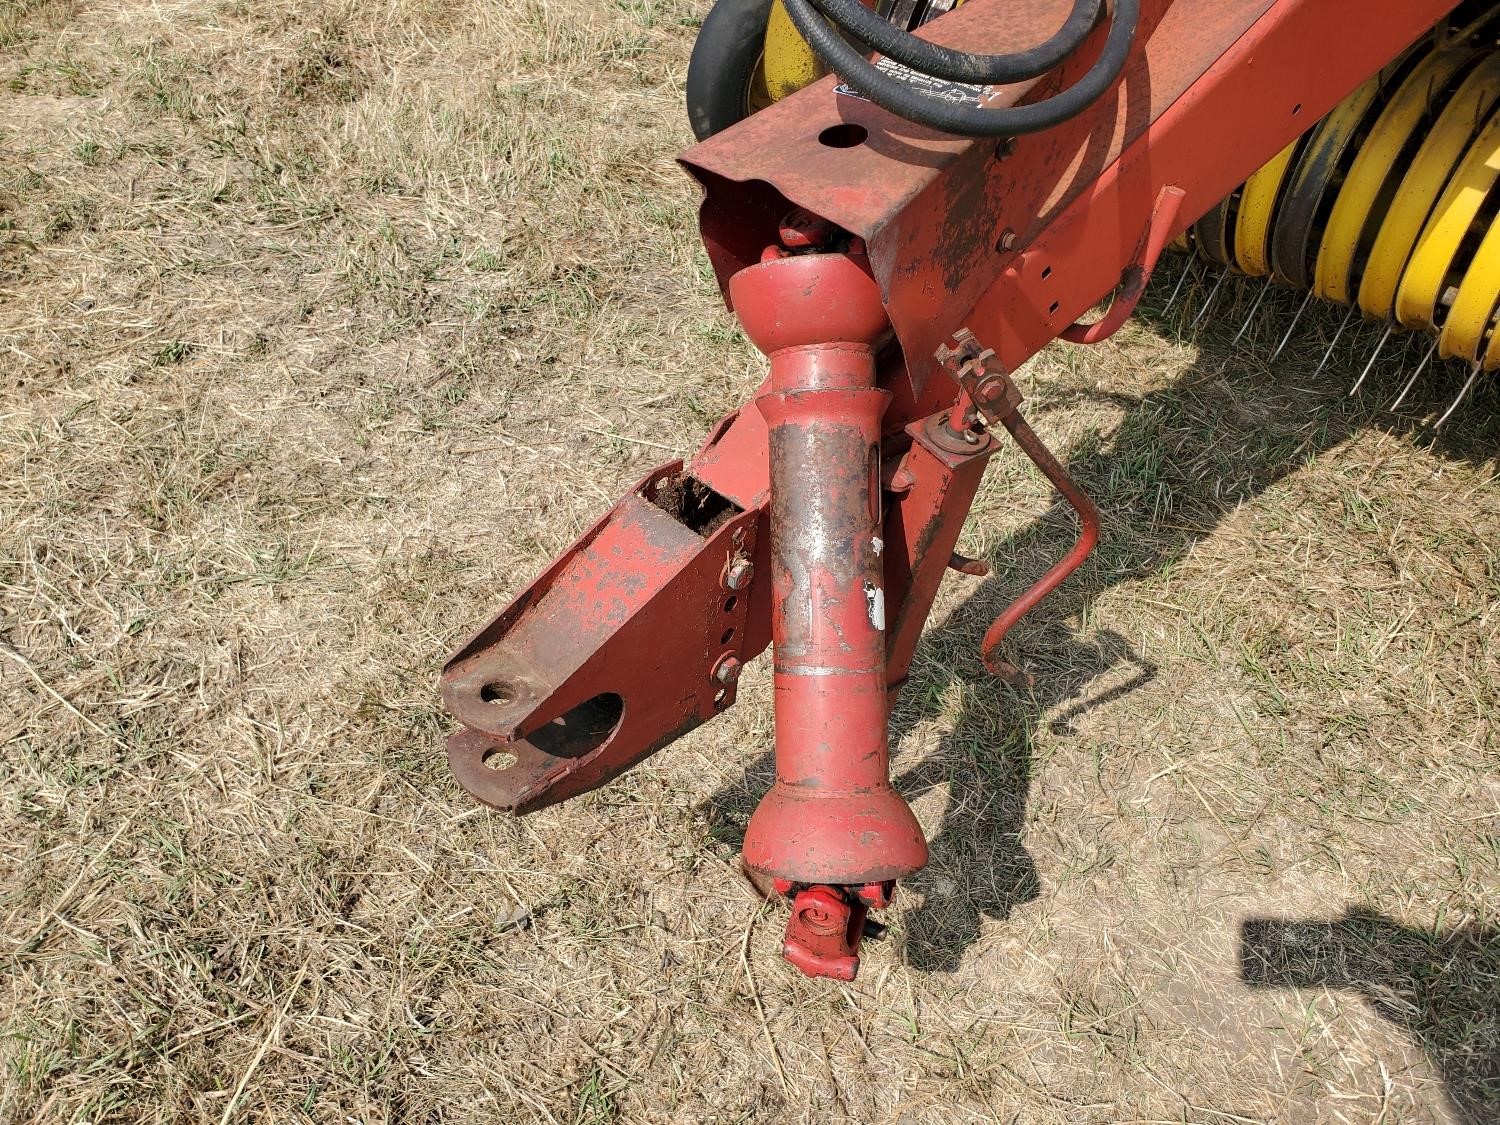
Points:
[(908, 102), (960, 66)]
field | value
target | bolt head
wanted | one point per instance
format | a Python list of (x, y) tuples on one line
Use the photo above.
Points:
[(739, 573), (727, 671)]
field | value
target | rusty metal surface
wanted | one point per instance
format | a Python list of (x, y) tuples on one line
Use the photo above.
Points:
[(831, 816), (612, 653), (637, 633), (932, 207), (933, 487), (932, 211), (1020, 248)]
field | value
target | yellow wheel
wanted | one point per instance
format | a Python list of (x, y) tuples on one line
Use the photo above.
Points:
[(1257, 208), (1214, 233), (788, 63), (1424, 180), (1427, 273), (1373, 166)]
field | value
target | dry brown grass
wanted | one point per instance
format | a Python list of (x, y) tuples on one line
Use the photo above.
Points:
[(325, 323)]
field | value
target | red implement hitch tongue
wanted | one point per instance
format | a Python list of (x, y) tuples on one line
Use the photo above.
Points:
[(810, 523), (894, 275)]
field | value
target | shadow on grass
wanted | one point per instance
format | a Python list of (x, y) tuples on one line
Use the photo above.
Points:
[(1441, 988), (1182, 458)]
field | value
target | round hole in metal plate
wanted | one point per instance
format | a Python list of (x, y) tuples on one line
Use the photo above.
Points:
[(727, 637), (730, 604), (843, 136), (498, 759), (499, 691)]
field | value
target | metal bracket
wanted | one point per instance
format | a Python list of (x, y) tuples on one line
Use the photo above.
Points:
[(828, 924), (597, 665)]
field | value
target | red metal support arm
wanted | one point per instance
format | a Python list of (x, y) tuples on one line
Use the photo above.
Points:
[(823, 517)]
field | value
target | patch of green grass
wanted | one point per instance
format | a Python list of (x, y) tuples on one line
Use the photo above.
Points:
[(173, 351), (59, 73), (595, 1104)]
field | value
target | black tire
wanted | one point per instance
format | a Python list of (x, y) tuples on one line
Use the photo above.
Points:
[(728, 49)]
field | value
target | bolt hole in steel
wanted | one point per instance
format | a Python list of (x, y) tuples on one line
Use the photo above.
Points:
[(1296, 109), (499, 691), (497, 759), (843, 136), (730, 603), (1054, 306), (1046, 272), (727, 637)]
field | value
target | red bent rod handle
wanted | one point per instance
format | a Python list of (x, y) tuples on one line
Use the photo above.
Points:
[(1088, 537)]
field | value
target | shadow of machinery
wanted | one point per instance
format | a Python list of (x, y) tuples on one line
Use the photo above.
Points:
[(1441, 987), (1181, 459)]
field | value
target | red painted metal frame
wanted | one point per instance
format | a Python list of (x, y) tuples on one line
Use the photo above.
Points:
[(616, 650), (861, 435), (1019, 248)]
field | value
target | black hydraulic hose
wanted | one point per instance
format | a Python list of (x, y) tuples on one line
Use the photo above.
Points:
[(907, 101), (960, 66)]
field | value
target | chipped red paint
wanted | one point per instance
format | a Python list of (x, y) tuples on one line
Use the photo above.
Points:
[(607, 657), (831, 815), (839, 495), (1213, 90), (933, 486)]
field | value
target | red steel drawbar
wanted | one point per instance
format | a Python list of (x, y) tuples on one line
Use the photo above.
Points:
[(894, 276)]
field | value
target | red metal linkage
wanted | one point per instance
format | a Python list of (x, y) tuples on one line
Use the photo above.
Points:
[(824, 932), (1137, 275), (828, 924), (986, 391), (1088, 537), (828, 514)]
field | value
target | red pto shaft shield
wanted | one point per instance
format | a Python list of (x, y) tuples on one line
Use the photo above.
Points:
[(831, 817)]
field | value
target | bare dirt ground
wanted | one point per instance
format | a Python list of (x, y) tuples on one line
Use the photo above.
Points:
[(324, 324)]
